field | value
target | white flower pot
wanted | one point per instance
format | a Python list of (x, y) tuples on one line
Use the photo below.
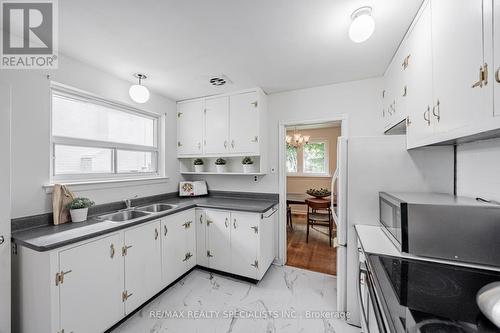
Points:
[(79, 215), (220, 168), (248, 168), (198, 168)]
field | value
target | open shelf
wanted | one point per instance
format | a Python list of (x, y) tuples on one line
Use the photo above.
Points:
[(223, 173)]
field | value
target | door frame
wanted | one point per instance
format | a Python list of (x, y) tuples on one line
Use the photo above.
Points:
[(282, 231), (5, 230)]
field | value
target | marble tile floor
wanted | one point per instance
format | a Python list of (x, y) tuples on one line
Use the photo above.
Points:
[(288, 299)]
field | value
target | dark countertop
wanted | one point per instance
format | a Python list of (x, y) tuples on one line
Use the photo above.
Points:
[(49, 237)]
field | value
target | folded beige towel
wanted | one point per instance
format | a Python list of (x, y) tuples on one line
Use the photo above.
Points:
[(61, 196)]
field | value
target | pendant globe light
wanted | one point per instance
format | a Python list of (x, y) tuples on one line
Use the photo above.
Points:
[(138, 92)]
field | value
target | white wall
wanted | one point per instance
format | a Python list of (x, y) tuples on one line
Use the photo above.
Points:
[(359, 99), (478, 165), (30, 133)]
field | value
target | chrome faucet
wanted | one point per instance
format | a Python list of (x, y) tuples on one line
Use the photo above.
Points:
[(128, 202)]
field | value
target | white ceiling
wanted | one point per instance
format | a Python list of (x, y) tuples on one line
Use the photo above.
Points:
[(278, 45)]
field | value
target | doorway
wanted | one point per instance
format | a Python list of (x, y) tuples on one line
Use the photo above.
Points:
[(307, 164)]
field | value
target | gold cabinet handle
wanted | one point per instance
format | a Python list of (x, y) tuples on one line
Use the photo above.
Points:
[(234, 223), (187, 256), (497, 75), (427, 116), (436, 107), (126, 295), (112, 250), (156, 233), (165, 230), (226, 223), (209, 222), (187, 224), (483, 77), (125, 250), (201, 219), (405, 91)]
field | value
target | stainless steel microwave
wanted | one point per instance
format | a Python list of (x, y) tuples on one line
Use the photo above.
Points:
[(442, 226)]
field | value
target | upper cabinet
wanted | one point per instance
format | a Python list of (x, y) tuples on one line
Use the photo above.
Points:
[(190, 127), (448, 73), (222, 126), (244, 127)]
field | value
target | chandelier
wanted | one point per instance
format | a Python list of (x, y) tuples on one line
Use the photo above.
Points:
[(297, 139)]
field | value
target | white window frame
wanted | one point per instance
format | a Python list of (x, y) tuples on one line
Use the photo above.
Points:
[(157, 149), (301, 166)]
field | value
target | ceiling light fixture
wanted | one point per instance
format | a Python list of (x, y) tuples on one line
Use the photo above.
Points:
[(297, 139), (138, 92), (362, 25)]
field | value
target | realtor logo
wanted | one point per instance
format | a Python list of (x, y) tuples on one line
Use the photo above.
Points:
[(29, 34)]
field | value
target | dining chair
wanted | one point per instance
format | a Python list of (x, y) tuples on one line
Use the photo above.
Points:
[(319, 213)]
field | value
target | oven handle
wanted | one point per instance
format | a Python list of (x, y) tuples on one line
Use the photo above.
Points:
[(375, 304), (362, 270)]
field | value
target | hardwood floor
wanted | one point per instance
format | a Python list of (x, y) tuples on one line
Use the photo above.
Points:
[(317, 255)]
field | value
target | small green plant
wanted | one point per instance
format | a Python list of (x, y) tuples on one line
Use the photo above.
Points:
[(247, 161), (220, 161), (79, 203), (198, 161)]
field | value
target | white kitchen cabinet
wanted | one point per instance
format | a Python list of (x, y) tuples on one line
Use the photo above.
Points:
[(190, 127), (90, 282), (216, 139), (244, 123), (201, 238), (142, 253), (457, 49), (420, 125), (493, 18), (244, 243), (240, 243), (178, 245), (218, 239)]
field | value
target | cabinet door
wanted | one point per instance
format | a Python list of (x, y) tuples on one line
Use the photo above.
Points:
[(496, 54), (244, 123), (244, 244), (187, 221), (201, 238), (173, 249), (142, 264), (90, 296), (190, 128), (457, 45), (419, 80), (216, 125), (219, 240)]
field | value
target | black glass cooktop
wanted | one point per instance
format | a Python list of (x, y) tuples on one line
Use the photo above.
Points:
[(421, 296)]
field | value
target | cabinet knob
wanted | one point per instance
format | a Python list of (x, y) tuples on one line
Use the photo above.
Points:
[(497, 75)]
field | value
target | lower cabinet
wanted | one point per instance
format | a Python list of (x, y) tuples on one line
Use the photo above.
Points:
[(178, 248), (90, 283), (142, 255), (89, 286), (239, 243)]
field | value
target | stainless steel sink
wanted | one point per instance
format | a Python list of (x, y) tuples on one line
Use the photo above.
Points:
[(156, 208), (124, 216)]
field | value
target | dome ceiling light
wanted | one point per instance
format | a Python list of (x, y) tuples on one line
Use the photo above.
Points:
[(362, 25)]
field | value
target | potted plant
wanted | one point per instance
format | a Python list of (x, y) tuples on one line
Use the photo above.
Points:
[(79, 208), (247, 165), (220, 165), (198, 165)]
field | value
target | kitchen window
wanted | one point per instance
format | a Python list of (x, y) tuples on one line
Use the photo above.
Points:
[(308, 160), (96, 139)]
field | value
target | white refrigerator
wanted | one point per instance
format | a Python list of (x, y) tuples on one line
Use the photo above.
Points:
[(366, 166)]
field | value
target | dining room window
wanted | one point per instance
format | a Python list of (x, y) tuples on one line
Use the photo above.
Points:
[(310, 159)]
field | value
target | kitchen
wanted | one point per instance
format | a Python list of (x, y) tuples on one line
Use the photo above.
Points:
[(170, 133)]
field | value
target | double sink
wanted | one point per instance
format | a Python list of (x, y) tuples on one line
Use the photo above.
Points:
[(136, 213)]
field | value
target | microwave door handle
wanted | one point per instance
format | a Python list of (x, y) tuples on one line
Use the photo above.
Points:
[(361, 271)]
